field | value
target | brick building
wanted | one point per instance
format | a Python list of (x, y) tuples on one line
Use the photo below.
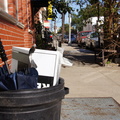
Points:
[(17, 23)]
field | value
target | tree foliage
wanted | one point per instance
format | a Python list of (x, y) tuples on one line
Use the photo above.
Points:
[(60, 7), (66, 29), (66, 32), (90, 8), (107, 8), (111, 23)]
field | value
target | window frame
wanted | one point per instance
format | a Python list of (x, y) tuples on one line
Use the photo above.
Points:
[(5, 5)]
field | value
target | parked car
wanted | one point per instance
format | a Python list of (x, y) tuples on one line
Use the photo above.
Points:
[(65, 39), (81, 37), (73, 39), (91, 40)]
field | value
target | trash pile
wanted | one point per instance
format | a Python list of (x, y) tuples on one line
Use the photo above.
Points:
[(31, 68), (24, 79)]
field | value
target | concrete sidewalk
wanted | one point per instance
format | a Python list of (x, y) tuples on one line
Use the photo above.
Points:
[(91, 80), (90, 109)]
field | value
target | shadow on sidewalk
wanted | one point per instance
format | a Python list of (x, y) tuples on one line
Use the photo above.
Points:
[(80, 56)]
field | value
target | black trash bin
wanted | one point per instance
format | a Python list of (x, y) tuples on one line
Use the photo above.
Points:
[(34, 104)]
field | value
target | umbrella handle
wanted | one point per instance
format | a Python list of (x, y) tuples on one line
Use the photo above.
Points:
[(7, 67), (3, 56)]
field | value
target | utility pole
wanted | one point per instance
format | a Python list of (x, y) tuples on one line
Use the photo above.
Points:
[(69, 42), (51, 25), (55, 26)]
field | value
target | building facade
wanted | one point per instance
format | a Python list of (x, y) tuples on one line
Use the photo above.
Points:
[(17, 23), (92, 23)]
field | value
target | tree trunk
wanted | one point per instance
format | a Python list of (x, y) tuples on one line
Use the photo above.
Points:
[(63, 19), (109, 24)]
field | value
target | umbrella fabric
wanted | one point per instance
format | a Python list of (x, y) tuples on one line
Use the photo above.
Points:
[(27, 80), (7, 81), (19, 80)]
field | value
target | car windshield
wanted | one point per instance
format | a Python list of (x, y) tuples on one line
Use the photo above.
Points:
[(84, 33), (93, 35)]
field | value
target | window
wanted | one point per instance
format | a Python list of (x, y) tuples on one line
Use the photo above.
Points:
[(93, 35), (4, 5), (84, 33)]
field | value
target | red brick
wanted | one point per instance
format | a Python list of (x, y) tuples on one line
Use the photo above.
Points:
[(12, 35)]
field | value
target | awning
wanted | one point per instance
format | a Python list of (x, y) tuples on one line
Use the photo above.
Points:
[(39, 3)]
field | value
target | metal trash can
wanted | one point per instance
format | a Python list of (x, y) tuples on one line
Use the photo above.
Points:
[(33, 104)]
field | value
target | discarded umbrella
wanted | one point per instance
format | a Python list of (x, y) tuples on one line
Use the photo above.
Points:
[(25, 79)]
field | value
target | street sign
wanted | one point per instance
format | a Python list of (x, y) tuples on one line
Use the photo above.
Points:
[(46, 24), (49, 10)]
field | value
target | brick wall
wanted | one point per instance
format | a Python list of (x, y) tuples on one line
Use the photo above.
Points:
[(13, 35), (27, 21), (12, 7), (10, 35)]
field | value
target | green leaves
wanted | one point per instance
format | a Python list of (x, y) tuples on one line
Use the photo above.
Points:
[(60, 6), (93, 1)]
